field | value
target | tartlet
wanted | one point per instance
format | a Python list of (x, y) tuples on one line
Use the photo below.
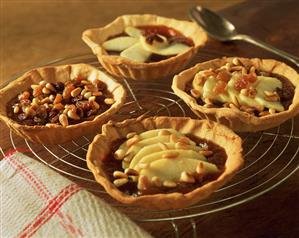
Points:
[(123, 67), (243, 94), (158, 191), (43, 104)]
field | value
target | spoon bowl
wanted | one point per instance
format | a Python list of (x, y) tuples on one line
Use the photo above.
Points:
[(221, 29), (216, 26)]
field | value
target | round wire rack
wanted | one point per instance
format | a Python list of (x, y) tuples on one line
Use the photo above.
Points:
[(267, 163)]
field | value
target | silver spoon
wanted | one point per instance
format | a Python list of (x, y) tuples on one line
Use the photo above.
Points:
[(221, 29)]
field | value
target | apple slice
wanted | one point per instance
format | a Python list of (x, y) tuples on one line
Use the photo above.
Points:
[(133, 32), (149, 158), (119, 43), (171, 169), (136, 53)]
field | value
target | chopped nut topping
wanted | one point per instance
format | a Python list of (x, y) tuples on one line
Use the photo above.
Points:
[(169, 184), (170, 155), (119, 154), (49, 100), (120, 182), (119, 174), (187, 178)]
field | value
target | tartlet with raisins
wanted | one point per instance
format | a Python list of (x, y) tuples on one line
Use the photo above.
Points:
[(144, 47), (164, 162), (243, 94), (52, 105)]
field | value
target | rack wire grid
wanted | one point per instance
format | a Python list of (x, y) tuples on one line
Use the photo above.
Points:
[(267, 164)]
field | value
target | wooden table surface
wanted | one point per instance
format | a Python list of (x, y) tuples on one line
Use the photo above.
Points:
[(33, 32)]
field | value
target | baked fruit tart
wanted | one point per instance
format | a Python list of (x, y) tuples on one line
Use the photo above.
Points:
[(243, 94), (164, 162), (144, 47), (53, 105)]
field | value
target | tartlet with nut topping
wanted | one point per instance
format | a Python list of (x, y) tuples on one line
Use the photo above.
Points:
[(53, 105), (243, 94), (144, 47), (164, 162)]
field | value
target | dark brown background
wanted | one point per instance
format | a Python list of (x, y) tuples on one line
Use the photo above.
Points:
[(33, 32)]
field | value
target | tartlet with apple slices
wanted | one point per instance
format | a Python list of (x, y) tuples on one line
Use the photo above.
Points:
[(164, 162), (243, 94), (144, 47), (55, 104)]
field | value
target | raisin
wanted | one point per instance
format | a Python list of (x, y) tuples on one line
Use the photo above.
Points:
[(76, 99), (91, 112), (59, 86), (80, 112), (219, 87), (22, 116)]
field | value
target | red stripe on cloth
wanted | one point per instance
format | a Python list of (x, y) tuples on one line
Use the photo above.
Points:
[(42, 191), (53, 206)]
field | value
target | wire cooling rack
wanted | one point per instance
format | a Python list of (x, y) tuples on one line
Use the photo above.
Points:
[(271, 156)]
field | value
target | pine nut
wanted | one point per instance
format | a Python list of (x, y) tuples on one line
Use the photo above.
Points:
[(130, 135), (235, 61), (206, 153), (130, 171), (272, 111), (169, 184), (87, 95), (119, 174), (170, 155), (50, 87), (120, 182), (164, 133), (264, 113), (156, 181), (51, 97), (143, 183), (163, 146), (97, 94), (92, 98), (58, 106), (75, 92), (200, 168), (43, 83), (63, 120), (109, 101), (187, 178), (46, 91), (135, 139), (134, 178), (119, 154), (184, 140), (195, 93), (73, 115), (58, 98), (16, 109)]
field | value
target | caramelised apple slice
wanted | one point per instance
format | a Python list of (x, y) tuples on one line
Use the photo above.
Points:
[(172, 169)]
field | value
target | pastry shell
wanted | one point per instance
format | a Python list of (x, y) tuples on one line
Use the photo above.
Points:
[(236, 119), (55, 134), (122, 67), (219, 134)]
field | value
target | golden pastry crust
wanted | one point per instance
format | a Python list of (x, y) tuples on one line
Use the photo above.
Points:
[(55, 133), (219, 134), (234, 118), (123, 67)]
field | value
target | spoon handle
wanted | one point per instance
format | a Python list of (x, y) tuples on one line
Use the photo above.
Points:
[(268, 47)]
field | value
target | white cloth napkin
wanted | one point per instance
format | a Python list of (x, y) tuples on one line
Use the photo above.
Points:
[(38, 202)]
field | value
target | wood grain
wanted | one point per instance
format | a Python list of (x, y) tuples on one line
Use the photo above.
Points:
[(33, 32)]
